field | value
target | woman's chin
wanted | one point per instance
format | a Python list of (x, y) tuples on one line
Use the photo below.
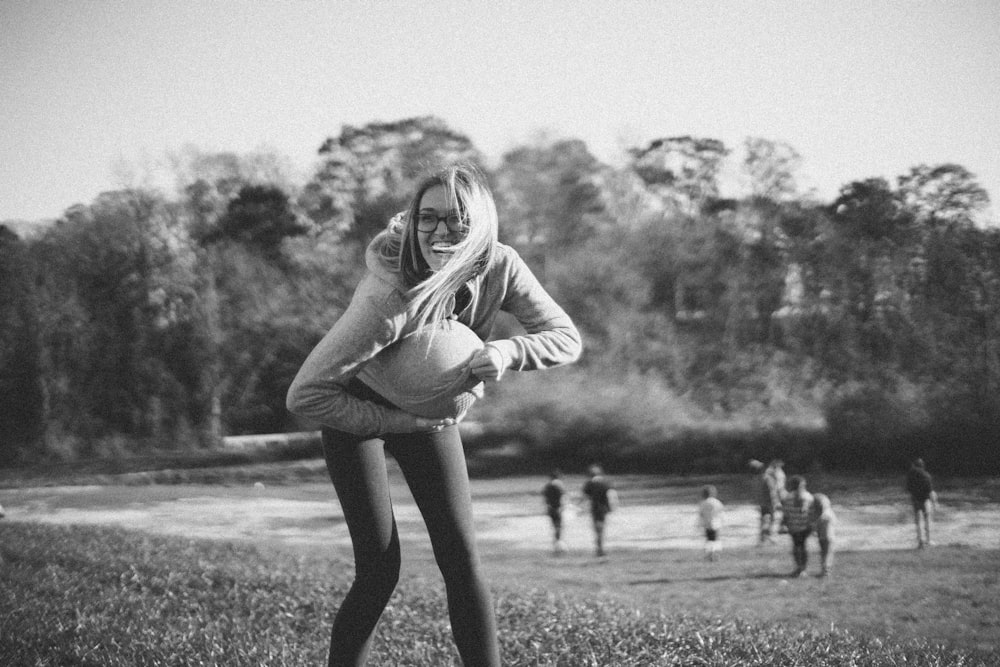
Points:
[(437, 260)]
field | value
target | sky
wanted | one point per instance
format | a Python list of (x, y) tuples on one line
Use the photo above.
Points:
[(91, 90)]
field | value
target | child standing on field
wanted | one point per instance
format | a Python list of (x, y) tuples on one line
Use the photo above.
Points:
[(710, 519), (776, 477), (797, 520), (923, 498), (824, 522), (603, 500), (768, 499), (554, 492)]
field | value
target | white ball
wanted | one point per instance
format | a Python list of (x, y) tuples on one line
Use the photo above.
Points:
[(427, 372)]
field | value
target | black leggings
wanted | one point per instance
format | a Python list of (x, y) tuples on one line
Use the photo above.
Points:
[(433, 464)]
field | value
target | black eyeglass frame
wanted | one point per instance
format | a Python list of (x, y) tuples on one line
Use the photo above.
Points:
[(452, 221)]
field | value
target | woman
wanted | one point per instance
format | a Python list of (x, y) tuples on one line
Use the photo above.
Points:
[(439, 259)]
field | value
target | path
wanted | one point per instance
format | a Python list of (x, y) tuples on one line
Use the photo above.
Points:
[(309, 514)]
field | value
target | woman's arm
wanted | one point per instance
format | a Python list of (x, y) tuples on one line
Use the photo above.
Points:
[(551, 339), (318, 391)]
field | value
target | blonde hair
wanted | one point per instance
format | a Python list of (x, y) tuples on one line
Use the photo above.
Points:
[(432, 293)]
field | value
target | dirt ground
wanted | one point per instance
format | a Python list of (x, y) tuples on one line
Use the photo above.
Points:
[(508, 513)]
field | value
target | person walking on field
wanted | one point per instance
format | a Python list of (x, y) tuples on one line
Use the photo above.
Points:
[(603, 500), (824, 523), (776, 478), (437, 267), (767, 498), (920, 486), (710, 520), (797, 519), (554, 492)]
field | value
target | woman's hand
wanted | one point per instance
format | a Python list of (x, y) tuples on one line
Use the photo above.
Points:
[(489, 363), (405, 422), (424, 424)]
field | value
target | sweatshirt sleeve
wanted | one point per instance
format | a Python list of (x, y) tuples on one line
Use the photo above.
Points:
[(318, 390), (551, 338)]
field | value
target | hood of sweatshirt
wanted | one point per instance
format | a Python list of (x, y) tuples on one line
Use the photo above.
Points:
[(375, 263)]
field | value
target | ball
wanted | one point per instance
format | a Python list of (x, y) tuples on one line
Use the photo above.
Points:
[(427, 372)]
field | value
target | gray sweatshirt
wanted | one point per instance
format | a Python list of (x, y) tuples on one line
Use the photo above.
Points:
[(379, 314)]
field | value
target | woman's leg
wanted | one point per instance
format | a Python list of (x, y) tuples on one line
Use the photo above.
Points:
[(434, 467), (357, 469)]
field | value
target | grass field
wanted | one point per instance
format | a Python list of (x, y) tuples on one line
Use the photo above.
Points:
[(98, 595)]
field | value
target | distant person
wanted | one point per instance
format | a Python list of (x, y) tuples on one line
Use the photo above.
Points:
[(776, 471), (554, 493), (603, 500), (797, 521), (437, 261), (920, 486), (710, 519), (824, 522), (776, 474), (767, 498)]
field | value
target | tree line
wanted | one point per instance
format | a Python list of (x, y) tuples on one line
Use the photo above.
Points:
[(851, 333)]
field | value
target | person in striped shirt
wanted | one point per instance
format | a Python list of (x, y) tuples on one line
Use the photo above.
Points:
[(798, 520)]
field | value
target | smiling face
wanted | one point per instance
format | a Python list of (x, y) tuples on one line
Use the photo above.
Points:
[(437, 245)]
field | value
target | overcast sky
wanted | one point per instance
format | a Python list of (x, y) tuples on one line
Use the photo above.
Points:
[(858, 88)]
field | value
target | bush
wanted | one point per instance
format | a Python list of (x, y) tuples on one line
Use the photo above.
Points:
[(869, 426), (872, 427), (573, 417)]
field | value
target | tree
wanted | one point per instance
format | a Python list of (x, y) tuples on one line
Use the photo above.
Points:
[(756, 279), (207, 183), (771, 166), (870, 209), (943, 194), (260, 332), (226, 172), (550, 196), (252, 282), (118, 327), (242, 218), (22, 403), (682, 170), (260, 217), (368, 173)]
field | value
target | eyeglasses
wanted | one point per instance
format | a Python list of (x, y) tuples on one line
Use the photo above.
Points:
[(428, 222)]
